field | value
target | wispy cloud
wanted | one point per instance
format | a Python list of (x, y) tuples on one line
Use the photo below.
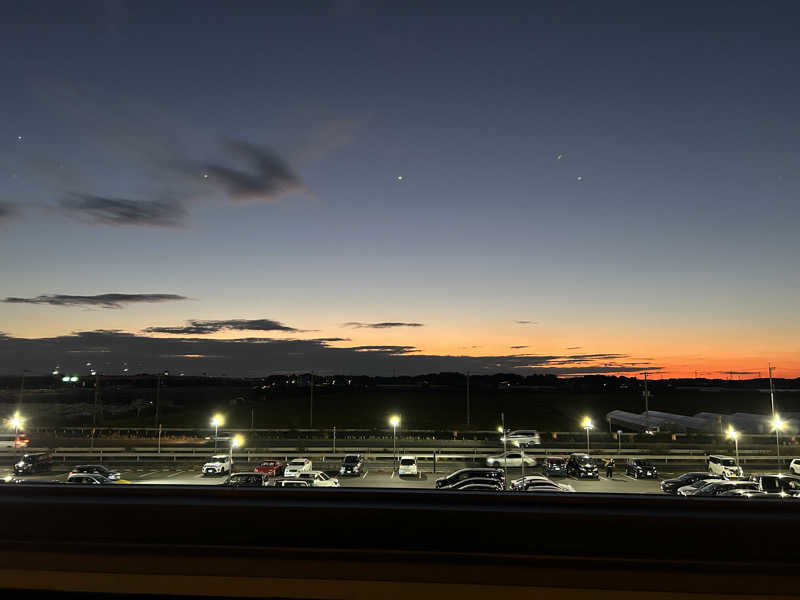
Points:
[(574, 347), (101, 300), (257, 356), (384, 325), (198, 327), (526, 322), (122, 211), (271, 178), (517, 347)]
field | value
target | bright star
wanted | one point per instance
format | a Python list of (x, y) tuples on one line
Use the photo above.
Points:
[(399, 178), (559, 156), (580, 178), (205, 175), (19, 137)]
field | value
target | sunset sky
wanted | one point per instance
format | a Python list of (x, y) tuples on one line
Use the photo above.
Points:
[(369, 187)]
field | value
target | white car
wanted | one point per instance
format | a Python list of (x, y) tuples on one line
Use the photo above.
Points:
[(519, 438), (724, 466), (218, 465), (512, 458), (794, 466), (538, 483), (297, 466), (408, 466), (318, 479)]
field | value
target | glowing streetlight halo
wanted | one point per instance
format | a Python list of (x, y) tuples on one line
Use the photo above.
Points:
[(394, 420), (587, 423)]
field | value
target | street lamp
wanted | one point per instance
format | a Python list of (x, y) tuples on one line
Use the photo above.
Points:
[(217, 422), (587, 425), (732, 434), (237, 441), (16, 421), (394, 421), (778, 425), (502, 429)]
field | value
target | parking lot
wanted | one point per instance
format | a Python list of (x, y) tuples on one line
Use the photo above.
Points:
[(381, 477)]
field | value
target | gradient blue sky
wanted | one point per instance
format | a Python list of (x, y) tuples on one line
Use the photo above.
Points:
[(665, 234)]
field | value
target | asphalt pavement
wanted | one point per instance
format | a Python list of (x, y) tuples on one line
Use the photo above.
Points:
[(381, 476)]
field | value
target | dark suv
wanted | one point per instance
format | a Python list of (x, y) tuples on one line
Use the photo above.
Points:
[(582, 465), (466, 477), (638, 467), (33, 463), (555, 466), (352, 464)]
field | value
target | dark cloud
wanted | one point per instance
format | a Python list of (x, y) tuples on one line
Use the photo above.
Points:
[(197, 327), (121, 211), (257, 356), (385, 325), (517, 347), (526, 322), (102, 300), (271, 178), (8, 210)]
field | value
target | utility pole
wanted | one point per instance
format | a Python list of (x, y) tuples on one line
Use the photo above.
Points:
[(311, 403), (252, 417), (158, 399), (468, 419), (771, 392), (646, 403)]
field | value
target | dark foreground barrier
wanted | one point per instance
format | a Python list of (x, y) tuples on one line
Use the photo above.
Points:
[(345, 543)]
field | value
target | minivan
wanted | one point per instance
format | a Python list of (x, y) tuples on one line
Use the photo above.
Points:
[(724, 466)]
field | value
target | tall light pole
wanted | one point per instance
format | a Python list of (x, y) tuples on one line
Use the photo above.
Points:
[(22, 386), (771, 392), (646, 403), (587, 425), (468, 416), (394, 421), (502, 430), (778, 425), (311, 403), (16, 421), (158, 399), (216, 422), (732, 434), (236, 442)]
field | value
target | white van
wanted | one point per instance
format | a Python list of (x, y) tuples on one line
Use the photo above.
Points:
[(724, 466)]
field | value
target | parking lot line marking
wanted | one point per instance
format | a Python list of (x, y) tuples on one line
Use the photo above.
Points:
[(175, 474), (148, 474), (629, 477)]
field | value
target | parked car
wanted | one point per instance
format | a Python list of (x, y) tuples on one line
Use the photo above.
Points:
[(97, 470), (249, 480), (297, 466), (719, 487), (794, 466), (528, 437), (14, 440), (692, 488), (753, 495), (270, 468), (92, 479), (218, 465), (33, 463), (671, 486), (554, 466), (318, 479), (724, 466), (582, 465), (352, 464), (291, 483), (474, 475), (777, 484), (537, 483), (640, 468), (486, 486), (408, 467), (512, 458)]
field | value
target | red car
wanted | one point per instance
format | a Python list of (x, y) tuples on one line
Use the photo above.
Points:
[(270, 468)]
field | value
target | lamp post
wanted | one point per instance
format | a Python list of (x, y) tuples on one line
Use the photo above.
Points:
[(236, 442), (502, 429), (394, 421), (778, 425), (216, 422), (587, 425), (732, 434), (16, 421)]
